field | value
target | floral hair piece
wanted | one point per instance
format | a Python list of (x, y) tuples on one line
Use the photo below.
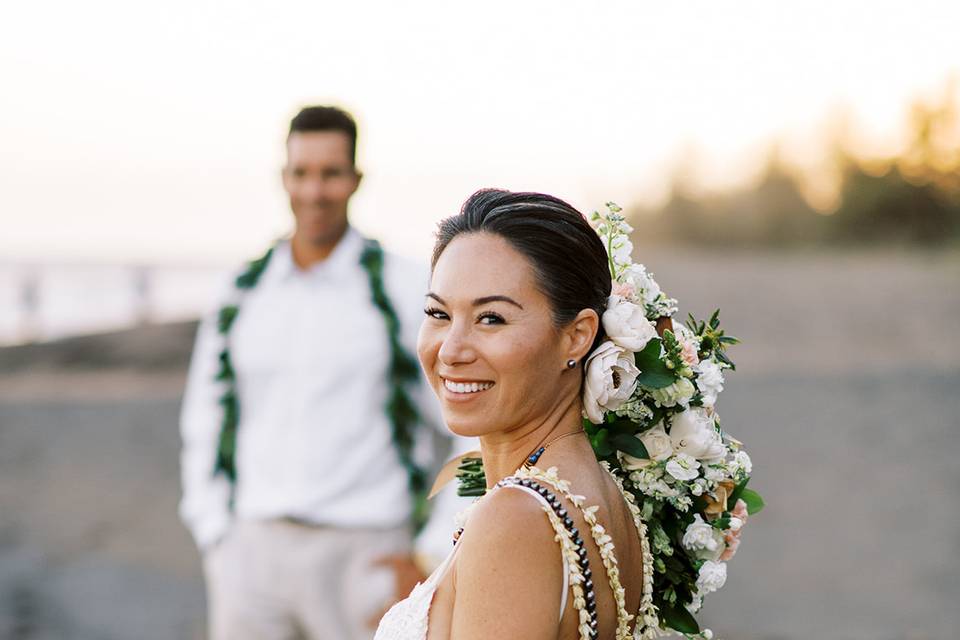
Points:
[(649, 406)]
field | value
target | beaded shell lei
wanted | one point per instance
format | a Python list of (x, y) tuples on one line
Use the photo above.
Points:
[(408, 619), (647, 625), (647, 621)]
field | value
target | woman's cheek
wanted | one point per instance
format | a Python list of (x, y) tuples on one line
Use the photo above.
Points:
[(428, 345)]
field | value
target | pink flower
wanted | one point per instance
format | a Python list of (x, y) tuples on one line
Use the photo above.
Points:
[(733, 542), (688, 344), (623, 290), (731, 536), (740, 510)]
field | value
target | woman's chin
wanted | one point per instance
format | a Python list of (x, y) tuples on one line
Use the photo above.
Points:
[(467, 426)]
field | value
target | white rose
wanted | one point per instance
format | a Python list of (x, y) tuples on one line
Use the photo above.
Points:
[(611, 380), (693, 433), (658, 445), (683, 467), (705, 541), (676, 393), (712, 577), (626, 324), (709, 381)]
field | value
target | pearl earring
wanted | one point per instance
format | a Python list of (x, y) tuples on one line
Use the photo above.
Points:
[(571, 363)]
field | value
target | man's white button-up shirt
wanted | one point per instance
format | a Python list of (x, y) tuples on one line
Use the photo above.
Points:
[(310, 351)]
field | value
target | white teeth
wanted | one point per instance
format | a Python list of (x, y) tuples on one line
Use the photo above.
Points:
[(466, 387)]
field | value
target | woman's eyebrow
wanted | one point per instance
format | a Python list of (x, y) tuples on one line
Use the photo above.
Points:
[(488, 299), (481, 301)]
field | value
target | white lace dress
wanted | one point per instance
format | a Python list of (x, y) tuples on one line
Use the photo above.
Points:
[(407, 620)]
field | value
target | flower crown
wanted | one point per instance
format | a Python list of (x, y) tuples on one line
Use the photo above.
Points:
[(649, 402)]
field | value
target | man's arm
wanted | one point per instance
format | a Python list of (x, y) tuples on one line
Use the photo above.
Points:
[(204, 506)]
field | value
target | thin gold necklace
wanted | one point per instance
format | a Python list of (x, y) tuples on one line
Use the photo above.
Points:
[(533, 457)]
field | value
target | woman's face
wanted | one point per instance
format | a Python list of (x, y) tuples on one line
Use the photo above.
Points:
[(488, 343)]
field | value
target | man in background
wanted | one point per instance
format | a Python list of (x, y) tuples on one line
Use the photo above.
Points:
[(302, 473)]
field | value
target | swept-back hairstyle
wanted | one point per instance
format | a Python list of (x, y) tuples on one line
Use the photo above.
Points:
[(568, 258)]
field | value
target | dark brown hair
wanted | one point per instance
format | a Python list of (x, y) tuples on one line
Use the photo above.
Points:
[(319, 118)]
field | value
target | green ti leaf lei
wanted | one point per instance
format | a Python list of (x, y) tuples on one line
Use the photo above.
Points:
[(402, 373)]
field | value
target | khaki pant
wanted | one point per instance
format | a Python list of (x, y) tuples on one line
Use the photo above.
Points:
[(280, 580)]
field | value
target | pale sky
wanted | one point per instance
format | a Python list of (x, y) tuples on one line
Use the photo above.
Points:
[(154, 131)]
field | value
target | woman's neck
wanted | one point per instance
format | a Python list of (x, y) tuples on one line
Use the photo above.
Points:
[(505, 451)]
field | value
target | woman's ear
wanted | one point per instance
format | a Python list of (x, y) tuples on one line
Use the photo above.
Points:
[(580, 334)]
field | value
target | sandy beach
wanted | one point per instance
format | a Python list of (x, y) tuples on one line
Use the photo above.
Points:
[(846, 396)]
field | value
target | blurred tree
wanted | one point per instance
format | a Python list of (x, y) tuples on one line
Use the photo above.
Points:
[(913, 198)]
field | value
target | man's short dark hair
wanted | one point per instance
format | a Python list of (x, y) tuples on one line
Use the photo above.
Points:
[(319, 118)]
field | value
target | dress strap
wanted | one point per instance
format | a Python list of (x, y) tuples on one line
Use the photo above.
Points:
[(577, 572)]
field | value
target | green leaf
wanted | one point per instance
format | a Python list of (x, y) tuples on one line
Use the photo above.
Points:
[(714, 321), (679, 619), (621, 424), (589, 427), (629, 444), (736, 493), (654, 373), (753, 500), (601, 445)]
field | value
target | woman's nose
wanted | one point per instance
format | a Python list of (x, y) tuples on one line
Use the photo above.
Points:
[(456, 347)]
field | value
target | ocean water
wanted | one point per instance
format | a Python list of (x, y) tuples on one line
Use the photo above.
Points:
[(47, 301)]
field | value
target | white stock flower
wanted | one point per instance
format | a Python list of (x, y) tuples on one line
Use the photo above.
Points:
[(678, 392), (658, 445), (709, 381), (626, 324), (735, 524), (683, 467), (712, 577), (716, 472), (699, 487), (703, 540), (693, 432), (741, 462), (622, 250), (610, 381), (643, 282)]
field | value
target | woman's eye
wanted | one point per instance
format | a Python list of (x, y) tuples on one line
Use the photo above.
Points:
[(491, 318), (435, 313)]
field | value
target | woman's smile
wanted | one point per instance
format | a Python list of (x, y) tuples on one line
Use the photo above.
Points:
[(459, 390)]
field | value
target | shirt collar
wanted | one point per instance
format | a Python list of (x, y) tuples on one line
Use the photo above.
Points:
[(343, 259)]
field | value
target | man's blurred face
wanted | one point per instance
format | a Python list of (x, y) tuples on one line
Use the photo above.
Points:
[(319, 178)]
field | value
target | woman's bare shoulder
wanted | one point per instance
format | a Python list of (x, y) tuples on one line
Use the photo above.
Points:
[(509, 559)]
